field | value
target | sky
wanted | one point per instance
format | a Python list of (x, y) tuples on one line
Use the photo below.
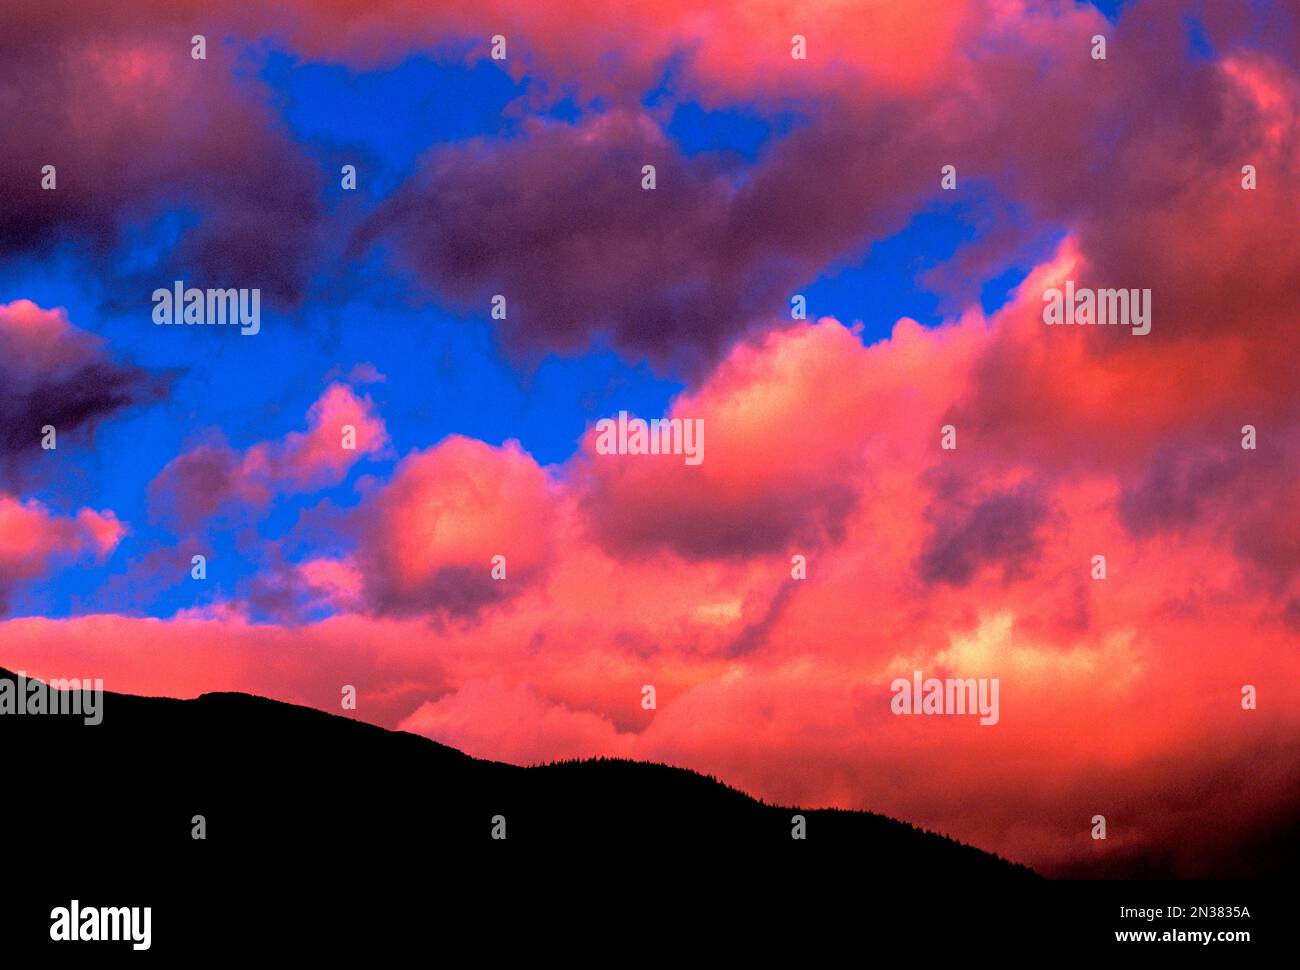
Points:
[(475, 437)]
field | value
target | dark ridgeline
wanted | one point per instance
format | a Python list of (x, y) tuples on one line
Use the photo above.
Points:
[(276, 778), (303, 806)]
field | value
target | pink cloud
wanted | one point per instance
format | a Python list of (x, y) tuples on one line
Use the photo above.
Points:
[(428, 538), (776, 475), (33, 540), (212, 476), (512, 723)]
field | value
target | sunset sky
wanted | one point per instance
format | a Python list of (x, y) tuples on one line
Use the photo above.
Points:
[(476, 437)]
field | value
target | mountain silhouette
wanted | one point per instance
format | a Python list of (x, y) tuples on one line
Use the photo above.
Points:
[(270, 777), (324, 832)]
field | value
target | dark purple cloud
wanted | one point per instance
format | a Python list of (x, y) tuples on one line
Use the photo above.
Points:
[(1001, 529), (53, 374), (137, 129)]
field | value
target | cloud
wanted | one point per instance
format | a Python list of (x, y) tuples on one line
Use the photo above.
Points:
[(137, 131), (293, 592), (557, 222), (776, 474), (212, 476), (555, 218), (428, 538), (616, 54), (34, 540), (513, 723), (1001, 528), (52, 373)]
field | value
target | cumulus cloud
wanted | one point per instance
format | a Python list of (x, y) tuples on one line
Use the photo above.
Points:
[(777, 472), (428, 538)]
